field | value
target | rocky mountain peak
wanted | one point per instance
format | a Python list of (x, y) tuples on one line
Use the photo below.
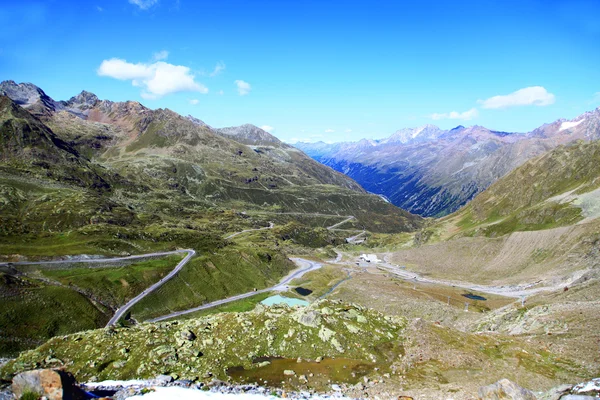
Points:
[(250, 134), (420, 134), (26, 94), (197, 121), (84, 99)]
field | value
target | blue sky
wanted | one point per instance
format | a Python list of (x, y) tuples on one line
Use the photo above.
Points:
[(316, 70)]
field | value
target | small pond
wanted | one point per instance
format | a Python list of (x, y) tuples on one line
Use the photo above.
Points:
[(318, 374), (303, 291), (474, 296), (277, 299)]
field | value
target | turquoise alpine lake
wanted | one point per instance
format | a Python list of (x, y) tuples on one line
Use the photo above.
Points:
[(277, 299)]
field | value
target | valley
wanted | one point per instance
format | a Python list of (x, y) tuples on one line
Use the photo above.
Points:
[(433, 172), (137, 242)]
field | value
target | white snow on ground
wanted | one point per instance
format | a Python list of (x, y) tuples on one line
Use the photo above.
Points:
[(133, 382), (179, 393), (591, 386), (570, 124)]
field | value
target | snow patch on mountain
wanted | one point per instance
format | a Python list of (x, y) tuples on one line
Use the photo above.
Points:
[(569, 124)]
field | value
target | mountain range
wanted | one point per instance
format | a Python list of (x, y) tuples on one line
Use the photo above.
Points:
[(93, 177), (137, 155), (433, 172)]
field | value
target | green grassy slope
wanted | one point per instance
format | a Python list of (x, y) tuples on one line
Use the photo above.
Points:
[(117, 284), (547, 192), (129, 180), (33, 312), (216, 275)]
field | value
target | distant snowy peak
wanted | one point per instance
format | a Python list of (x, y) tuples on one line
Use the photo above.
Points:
[(586, 127), (421, 134), (367, 142), (570, 124)]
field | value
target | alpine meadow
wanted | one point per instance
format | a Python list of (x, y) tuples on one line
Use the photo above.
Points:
[(305, 200)]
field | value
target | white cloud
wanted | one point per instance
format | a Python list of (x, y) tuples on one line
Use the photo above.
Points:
[(157, 79), (267, 128), (100, 9), (243, 88), (220, 93), (529, 96), (121, 69), (194, 101), (160, 55), (143, 4), (329, 131), (467, 115), (220, 67), (348, 130)]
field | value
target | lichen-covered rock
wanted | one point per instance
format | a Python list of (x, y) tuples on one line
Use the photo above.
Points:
[(326, 311), (335, 343), (223, 341), (186, 334), (352, 328), (325, 334), (309, 318)]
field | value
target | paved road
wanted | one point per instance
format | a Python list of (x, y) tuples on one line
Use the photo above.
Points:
[(94, 260), (281, 286), (353, 238), (271, 225), (349, 218), (122, 310)]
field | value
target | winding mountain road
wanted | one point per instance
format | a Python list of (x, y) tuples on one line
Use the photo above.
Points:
[(334, 226), (122, 310), (515, 291), (271, 225), (94, 260), (281, 286)]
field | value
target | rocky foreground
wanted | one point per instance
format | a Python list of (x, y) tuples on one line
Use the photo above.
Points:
[(208, 347), (60, 385), (329, 348)]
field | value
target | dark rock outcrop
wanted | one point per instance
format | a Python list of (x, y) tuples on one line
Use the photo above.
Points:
[(50, 383)]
